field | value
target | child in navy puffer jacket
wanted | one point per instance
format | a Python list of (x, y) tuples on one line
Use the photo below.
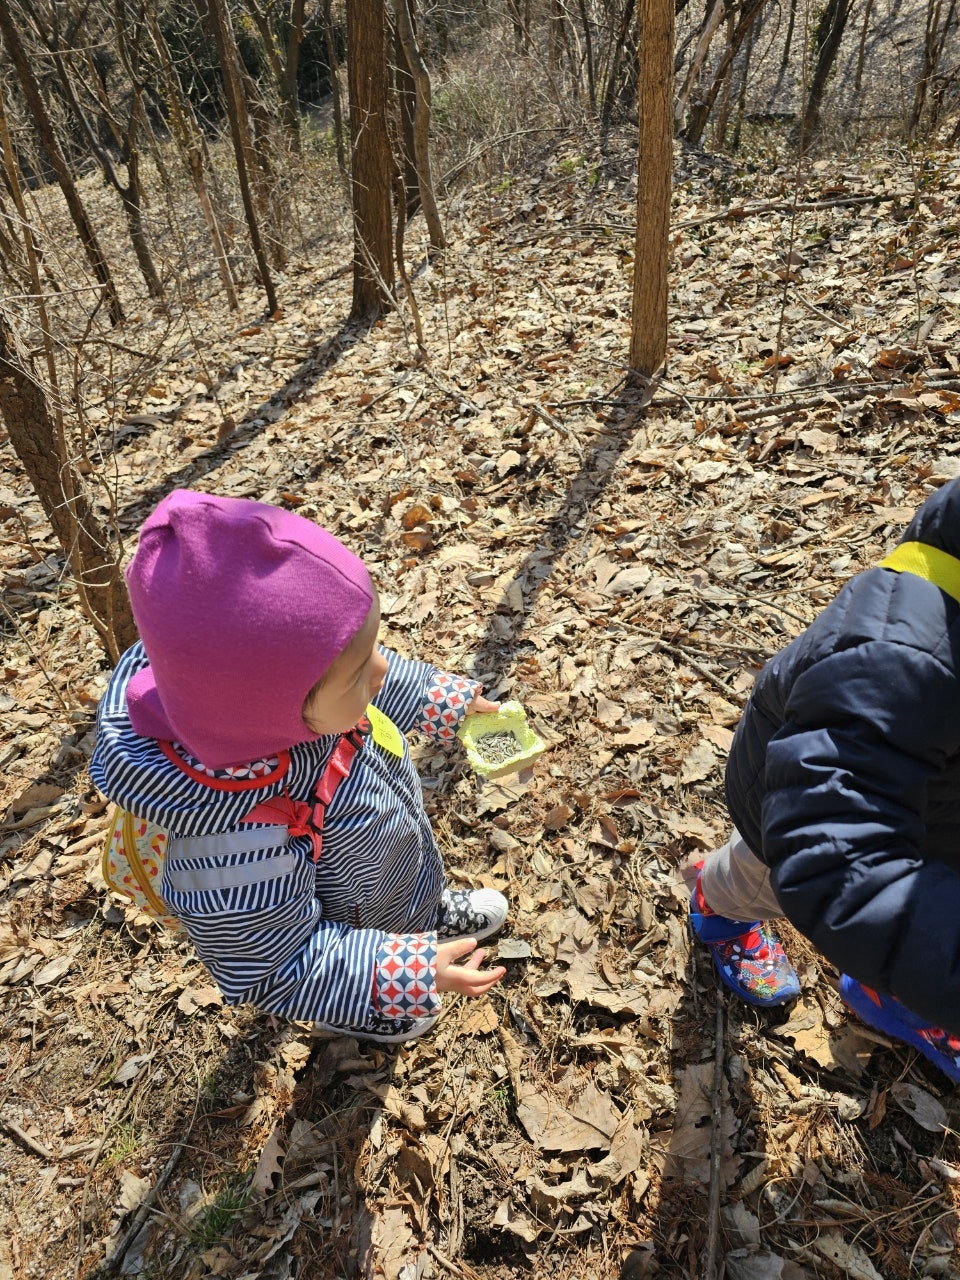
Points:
[(843, 783)]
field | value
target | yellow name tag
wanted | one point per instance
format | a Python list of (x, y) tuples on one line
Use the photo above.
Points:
[(385, 732)]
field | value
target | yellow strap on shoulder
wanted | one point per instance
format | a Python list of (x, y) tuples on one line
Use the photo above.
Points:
[(924, 561)]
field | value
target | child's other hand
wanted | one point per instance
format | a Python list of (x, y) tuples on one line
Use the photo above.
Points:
[(469, 979), (482, 706)]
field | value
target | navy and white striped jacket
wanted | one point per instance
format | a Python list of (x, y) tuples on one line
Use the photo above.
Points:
[(344, 942)]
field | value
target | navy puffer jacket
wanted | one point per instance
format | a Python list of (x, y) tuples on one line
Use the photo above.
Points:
[(844, 777)]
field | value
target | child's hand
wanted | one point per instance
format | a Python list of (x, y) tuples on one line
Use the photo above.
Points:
[(482, 706), (467, 978)]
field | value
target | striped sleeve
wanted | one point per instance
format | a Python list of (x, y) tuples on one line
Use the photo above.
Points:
[(415, 695)]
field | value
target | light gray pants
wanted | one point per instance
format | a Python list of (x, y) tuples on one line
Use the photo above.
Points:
[(736, 883)]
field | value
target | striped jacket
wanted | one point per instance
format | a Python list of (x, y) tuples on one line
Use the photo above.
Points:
[(345, 942)]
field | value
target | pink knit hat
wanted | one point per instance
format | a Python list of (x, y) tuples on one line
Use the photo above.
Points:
[(241, 608)]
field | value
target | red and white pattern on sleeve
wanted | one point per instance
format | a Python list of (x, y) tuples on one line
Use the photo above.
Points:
[(445, 705), (405, 984)]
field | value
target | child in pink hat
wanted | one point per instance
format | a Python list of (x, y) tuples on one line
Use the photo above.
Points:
[(261, 724)]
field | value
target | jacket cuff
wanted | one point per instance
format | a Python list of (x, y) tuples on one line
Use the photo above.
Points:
[(405, 977), (445, 704)]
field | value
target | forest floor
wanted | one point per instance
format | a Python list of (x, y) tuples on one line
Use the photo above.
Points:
[(622, 564)]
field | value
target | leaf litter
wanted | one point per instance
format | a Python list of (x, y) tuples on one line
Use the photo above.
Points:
[(622, 570)]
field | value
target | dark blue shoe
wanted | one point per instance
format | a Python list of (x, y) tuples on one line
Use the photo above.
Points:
[(888, 1015), (748, 956)]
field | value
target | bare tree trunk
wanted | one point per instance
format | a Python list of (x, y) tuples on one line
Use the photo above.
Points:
[(187, 134), (333, 65), (742, 91), (284, 68), (555, 34), (291, 68), (405, 92), (372, 166), (132, 201), (67, 507), (826, 45), (723, 113), (130, 192), (935, 36), (421, 123), (610, 96), (240, 134), (521, 26), (862, 47), (37, 437), (648, 329), (713, 16), (787, 46), (11, 256), (51, 146), (588, 51), (267, 174), (699, 112)]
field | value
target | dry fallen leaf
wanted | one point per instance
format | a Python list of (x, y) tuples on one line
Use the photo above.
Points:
[(690, 827), (720, 736), (558, 817), (688, 1144), (608, 712), (39, 795), (753, 1264), (390, 1247), (510, 1220), (632, 579), (849, 1257), (922, 1106), (698, 764), (482, 1017), (269, 1164), (193, 998), (132, 1191), (416, 516), (584, 1120), (837, 1048)]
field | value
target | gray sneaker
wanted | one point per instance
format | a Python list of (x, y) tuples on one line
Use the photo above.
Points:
[(470, 913), (383, 1030)]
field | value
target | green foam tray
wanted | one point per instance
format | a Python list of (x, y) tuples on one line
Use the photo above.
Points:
[(511, 718)]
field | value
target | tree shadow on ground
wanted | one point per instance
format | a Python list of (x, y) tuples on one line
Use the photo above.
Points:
[(239, 437), (502, 637)]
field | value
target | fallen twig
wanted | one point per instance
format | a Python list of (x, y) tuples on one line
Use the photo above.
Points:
[(677, 652), (24, 1138), (716, 1146), (461, 1269), (116, 1258), (836, 392), (786, 206)]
